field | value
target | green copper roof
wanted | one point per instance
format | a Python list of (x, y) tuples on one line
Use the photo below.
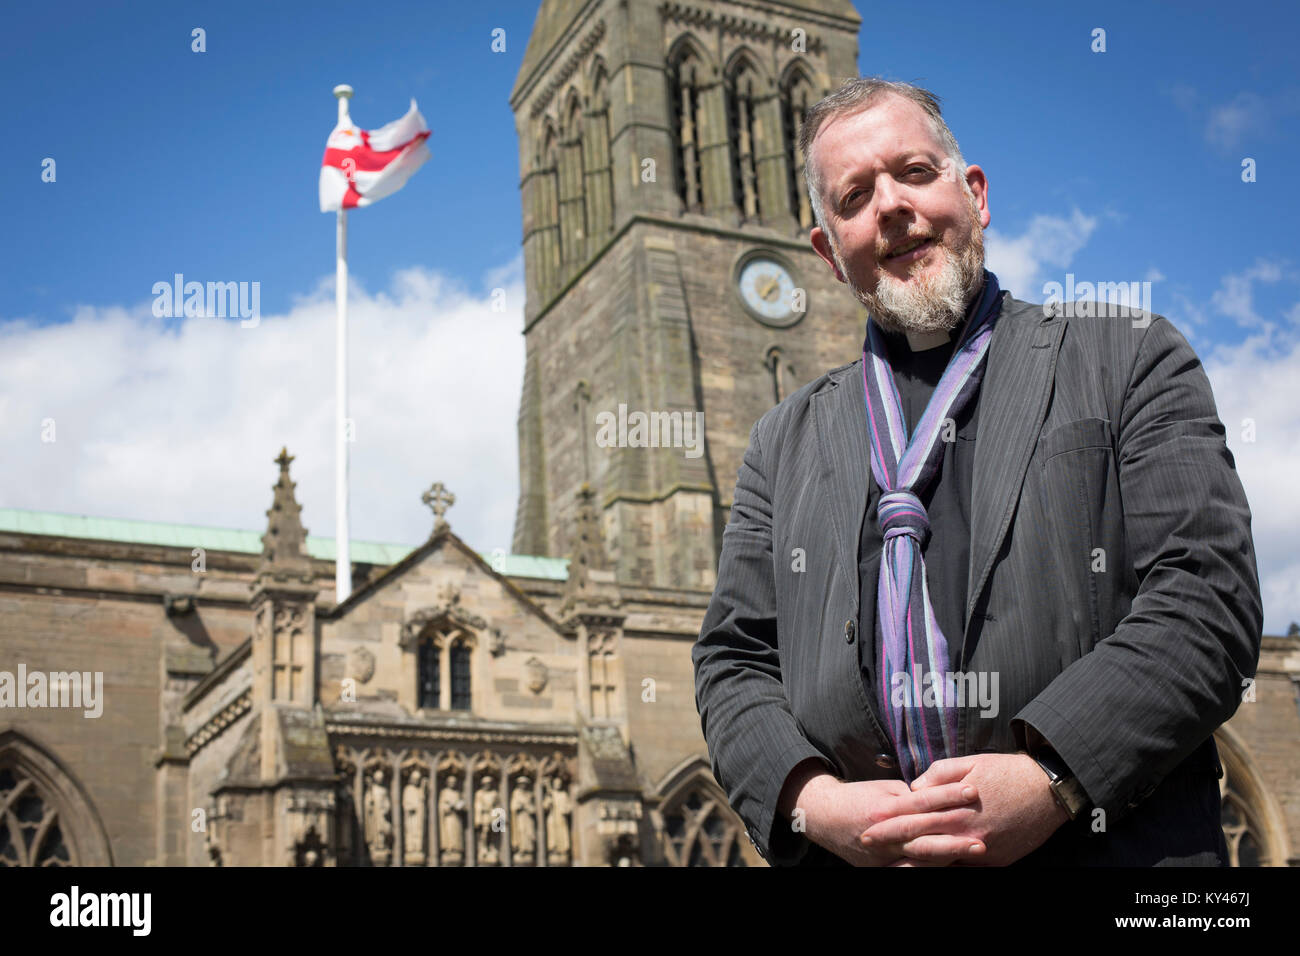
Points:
[(131, 531)]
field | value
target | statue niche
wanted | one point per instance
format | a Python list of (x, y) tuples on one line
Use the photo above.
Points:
[(413, 812), (379, 827), (451, 822)]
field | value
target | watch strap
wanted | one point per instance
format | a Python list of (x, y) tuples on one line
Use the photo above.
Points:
[(1067, 790)]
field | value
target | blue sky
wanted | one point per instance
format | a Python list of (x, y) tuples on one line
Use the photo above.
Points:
[(206, 163), (1116, 166)]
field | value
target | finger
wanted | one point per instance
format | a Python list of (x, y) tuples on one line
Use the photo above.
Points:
[(941, 797), (944, 849), (912, 825), (903, 862), (944, 771)]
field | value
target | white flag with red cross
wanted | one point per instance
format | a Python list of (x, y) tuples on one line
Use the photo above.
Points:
[(361, 167)]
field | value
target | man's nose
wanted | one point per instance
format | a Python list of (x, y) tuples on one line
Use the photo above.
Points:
[(891, 201)]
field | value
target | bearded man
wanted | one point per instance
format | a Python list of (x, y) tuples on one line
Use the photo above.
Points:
[(1024, 591)]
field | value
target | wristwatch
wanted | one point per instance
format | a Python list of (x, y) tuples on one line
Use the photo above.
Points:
[(1067, 790)]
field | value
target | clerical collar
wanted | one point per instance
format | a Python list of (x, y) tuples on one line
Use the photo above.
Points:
[(914, 342), (924, 341)]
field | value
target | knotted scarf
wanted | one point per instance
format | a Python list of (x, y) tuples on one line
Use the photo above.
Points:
[(916, 694)]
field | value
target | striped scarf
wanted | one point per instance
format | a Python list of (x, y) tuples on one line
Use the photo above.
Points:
[(919, 701)]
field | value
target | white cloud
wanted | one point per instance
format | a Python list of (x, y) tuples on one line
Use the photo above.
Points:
[(1186, 312), (1020, 262), (1247, 118), (1255, 380), (178, 420), (1228, 125), (1235, 295)]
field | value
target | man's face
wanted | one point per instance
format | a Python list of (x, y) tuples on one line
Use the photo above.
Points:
[(887, 184)]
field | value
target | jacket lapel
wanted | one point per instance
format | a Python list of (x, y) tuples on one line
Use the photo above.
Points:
[(1012, 402), (839, 412)]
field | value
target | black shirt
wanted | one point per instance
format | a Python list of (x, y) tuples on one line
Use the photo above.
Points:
[(947, 502)]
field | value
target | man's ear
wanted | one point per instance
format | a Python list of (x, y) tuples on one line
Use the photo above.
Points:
[(822, 246), (979, 187)]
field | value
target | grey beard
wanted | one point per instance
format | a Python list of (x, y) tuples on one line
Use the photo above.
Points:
[(934, 304)]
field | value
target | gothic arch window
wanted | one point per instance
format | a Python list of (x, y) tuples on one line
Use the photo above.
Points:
[(782, 372), (429, 657), (601, 667), (546, 212), (744, 91), (289, 654), (29, 825), (699, 827), (460, 675), (1239, 830), (444, 655), (572, 182), (686, 80), (1253, 825), (797, 97), (600, 179), (45, 817)]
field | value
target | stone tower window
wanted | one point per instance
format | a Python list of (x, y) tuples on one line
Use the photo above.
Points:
[(571, 183), (782, 373), (686, 77), (546, 210), (743, 89), (796, 98), (600, 181)]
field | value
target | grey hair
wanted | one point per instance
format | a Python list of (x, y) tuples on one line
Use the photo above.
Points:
[(853, 97)]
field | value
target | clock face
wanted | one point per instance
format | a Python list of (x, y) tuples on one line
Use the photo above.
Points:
[(767, 289)]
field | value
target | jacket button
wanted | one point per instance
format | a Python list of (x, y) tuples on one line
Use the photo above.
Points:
[(886, 762), (849, 628)]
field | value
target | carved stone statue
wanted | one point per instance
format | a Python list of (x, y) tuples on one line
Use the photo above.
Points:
[(523, 823), (451, 825), (379, 827), (485, 801), (413, 819), (557, 805)]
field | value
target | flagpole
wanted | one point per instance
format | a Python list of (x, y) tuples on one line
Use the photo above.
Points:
[(343, 558)]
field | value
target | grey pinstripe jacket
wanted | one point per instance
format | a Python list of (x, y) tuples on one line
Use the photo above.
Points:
[(1094, 433)]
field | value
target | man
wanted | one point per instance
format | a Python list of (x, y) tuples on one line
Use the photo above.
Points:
[(931, 648)]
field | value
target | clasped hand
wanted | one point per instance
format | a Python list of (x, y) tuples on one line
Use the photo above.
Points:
[(978, 810)]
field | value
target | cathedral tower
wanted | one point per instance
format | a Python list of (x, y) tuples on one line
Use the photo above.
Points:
[(672, 292)]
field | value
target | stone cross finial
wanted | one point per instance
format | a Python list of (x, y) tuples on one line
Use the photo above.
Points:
[(284, 548), (439, 499)]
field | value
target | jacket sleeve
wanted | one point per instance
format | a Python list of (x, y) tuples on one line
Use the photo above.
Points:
[(1125, 714), (753, 738)]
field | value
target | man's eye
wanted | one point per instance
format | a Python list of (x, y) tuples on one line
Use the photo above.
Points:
[(853, 195), (915, 169)]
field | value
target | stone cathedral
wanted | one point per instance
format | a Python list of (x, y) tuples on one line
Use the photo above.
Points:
[(529, 709)]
